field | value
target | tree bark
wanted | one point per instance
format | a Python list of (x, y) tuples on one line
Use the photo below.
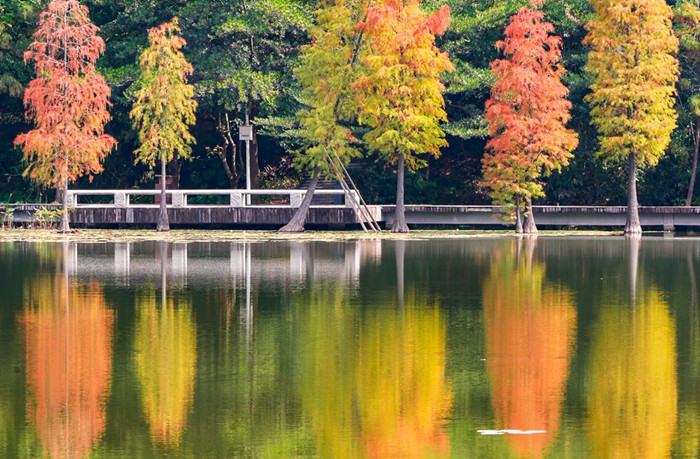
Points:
[(530, 225), (399, 225), (518, 217), (65, 218), (163, 222), (633, 227), (296, 224), (694, 174)]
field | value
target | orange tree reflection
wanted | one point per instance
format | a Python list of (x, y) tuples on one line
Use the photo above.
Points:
[(530, 326), (68, 336)]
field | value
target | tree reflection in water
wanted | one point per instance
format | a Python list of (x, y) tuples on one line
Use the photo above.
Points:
[(632, 404), (165, 355), (530, 328), (68, 339), (376, 391)]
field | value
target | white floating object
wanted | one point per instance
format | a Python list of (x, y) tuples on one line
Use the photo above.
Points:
[(511, 432), (490, 432)]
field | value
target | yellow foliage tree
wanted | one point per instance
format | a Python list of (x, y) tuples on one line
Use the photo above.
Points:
[(634, 71), (164, 107)]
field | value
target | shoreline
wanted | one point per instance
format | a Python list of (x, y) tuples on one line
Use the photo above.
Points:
[(128, 235)]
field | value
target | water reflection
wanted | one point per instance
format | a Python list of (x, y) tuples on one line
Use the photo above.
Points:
[(359, 349), (633, 389), (165, 347), (530, 325), (379, 391), (68, 340)]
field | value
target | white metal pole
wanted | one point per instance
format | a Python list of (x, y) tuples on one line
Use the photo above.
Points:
[(247, 170)]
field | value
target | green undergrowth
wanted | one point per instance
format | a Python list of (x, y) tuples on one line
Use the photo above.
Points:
[(104, 235)]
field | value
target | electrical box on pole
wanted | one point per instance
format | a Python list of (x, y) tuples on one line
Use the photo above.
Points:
[(246, 133)]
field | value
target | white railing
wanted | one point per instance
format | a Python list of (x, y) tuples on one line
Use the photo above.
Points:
[(237, 198)]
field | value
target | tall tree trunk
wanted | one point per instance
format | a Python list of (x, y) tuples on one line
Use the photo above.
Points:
[(691, 188), (65, 219), (518, 217), (254, 169), (633, 227), (530, 225), (296, 224), (163, 222), (399, 225)]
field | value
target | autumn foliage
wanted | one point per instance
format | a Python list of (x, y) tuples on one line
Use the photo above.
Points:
[(68, 335), (164, 107), (527, 111), (401, 94), (68, 101), (634, 73)]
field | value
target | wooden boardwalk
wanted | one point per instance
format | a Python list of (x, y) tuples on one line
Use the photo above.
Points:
[(339, 216)]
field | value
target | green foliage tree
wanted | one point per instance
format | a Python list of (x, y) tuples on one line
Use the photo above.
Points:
[(327, 70), (634, 70), (687, 20), (68, 101), (164, 106), (400, 95), (527, 113)]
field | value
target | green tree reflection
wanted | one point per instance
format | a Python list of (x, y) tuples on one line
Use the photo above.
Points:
[(165, 346), (530, 326)]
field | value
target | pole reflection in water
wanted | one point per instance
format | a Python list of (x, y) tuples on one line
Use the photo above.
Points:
[(530, 327), (633, 391), (68, 338), (165, 346), (373, 383)]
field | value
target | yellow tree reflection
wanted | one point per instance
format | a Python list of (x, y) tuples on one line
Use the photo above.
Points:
[(402, 394), (68, 336), (166, 353), (530, 327), (632, 406), (380, 391), (328, 358)]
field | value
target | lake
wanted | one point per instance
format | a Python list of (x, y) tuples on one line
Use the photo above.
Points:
[(475, 347)]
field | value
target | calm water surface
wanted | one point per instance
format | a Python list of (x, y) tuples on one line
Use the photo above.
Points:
[(456, 348)]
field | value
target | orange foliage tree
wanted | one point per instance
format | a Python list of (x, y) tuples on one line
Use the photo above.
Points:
[(68, 101), (527, 113), (530, 328), (68, 335), (401, 93)]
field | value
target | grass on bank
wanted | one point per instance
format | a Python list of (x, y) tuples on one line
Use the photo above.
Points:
[(117, 235)]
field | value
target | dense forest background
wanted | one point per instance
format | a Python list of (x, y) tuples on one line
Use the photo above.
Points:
[(244, 53)]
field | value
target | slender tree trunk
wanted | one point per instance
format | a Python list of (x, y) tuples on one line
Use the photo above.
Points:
[(296, 224), (399, 225), (65, 219), (530, 225), (518, 217), (163, 223), (633, 227), (691, 188)]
